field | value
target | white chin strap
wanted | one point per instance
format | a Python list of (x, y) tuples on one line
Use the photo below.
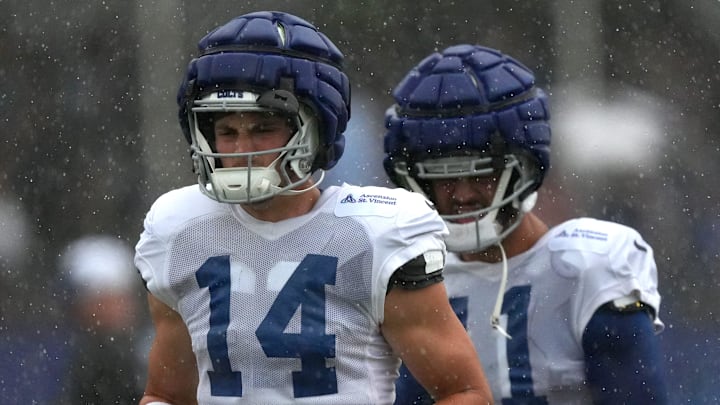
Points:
[(478, 235), (495, 318), (253, 184), (470, 236), (310, 187), (241, 183), (249, 184)]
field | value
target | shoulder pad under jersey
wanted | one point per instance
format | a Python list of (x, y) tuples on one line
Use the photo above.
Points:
[(409, 212), (178, 206), (377, 201), (587, 243)]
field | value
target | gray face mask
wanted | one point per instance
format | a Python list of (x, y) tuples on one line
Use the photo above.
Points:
[(285, 175), (477, 230)]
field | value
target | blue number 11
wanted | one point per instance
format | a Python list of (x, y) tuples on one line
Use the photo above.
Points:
[(305, 289)]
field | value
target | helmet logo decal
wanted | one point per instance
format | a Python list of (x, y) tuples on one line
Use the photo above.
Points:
[(229, 94)]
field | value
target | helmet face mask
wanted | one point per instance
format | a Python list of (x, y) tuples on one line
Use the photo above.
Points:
[(476, 230), (471, 111), (250, 184)]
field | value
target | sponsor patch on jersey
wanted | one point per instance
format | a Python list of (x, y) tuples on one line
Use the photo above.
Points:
[(351, 204), (580, 238)]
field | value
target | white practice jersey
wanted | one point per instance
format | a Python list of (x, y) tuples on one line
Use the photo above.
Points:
[(551, 293), (288, 312)]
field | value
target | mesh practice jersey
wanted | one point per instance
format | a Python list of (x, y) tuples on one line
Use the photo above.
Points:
[(287, 312), (552, 292)]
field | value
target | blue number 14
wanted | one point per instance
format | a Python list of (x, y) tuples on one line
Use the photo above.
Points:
[(305, 289)]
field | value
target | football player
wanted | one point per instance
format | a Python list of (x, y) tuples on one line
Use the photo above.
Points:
[(558, 315), (265, 289)]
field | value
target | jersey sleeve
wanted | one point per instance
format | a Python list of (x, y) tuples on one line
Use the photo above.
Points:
[(418, 229), (150, 259), (611, 262), (167, 214), (403, 225)]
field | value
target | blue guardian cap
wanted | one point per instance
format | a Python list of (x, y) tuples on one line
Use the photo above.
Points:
[(266, 61), (470, 111)]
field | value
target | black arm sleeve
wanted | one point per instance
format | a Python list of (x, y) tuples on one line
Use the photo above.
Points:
[(413, 276)]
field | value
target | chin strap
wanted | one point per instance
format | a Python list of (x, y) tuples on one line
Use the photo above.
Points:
[(495, 318), (312, 186)]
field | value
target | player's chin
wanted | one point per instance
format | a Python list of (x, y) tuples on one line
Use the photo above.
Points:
[(468, 220), (467, 215), (260, 205)]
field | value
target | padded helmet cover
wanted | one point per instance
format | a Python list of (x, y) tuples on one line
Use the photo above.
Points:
[(461, 100), (274, 50)]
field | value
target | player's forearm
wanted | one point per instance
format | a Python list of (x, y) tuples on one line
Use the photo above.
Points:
[(152, 400), (155, 400), (469, 397)]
